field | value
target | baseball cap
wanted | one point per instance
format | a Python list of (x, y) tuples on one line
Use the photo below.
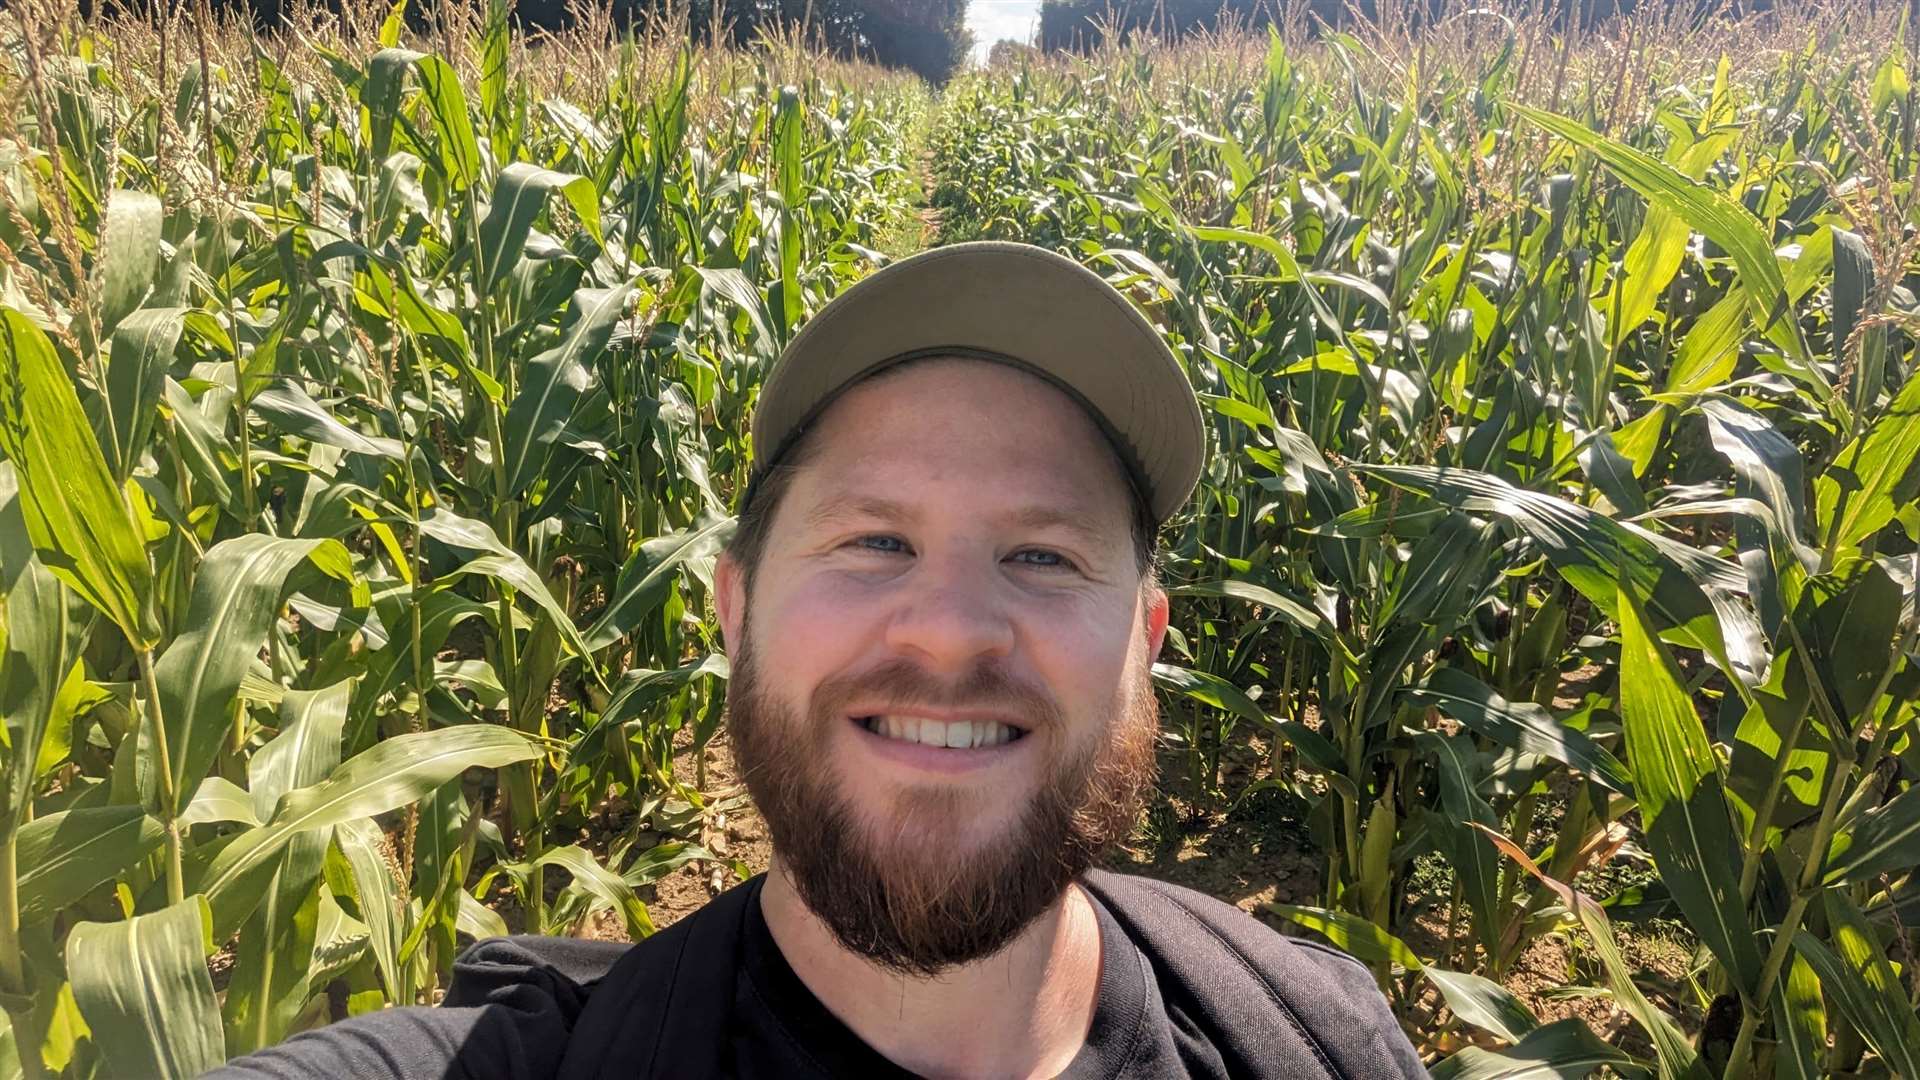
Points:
[(1014, 304)]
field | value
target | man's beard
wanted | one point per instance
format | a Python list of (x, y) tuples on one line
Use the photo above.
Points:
[(918, 908)]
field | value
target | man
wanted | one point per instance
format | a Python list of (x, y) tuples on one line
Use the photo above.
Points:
[(942, 612)]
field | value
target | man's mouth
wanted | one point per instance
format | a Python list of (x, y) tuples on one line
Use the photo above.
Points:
[(953, 734)]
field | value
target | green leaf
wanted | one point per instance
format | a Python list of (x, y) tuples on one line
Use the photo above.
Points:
[(1696, 595), (130, 239), (1520, 725), (201, 443), (1682, 802), (1767, 466), (392, 774), (518, 197), (43, 626), (362, 845), (1872, 475), (1485, 1004), (1212, 690), (63, 856), (1711, 213), (1365, 941), (219, 799), (459, 157), (268, 985), (501, 564), (1852, 288), (290, 410), (1474, 859), (635, 693), (478, 921), (554, 382), (1857, 977), (649, 573), (1612, 473), (1292, 611), (142, 350), (1562, 1050), (74, 511), (1884, 838), (788, 123), (306, 750), (236, 596), (1678, 1059), (1799, 1024), (1849, 636), (143, 987), (603, 885)]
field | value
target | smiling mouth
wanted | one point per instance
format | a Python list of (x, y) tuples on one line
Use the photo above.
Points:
[(952, 735)]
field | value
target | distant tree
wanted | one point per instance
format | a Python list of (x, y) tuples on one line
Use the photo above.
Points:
[(1009, 53), (929, 37)]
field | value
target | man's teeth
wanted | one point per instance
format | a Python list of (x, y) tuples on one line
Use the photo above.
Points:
[(958, 735)]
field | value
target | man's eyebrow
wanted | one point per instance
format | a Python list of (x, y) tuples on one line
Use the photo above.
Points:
[(839, 507), (1069, 519)]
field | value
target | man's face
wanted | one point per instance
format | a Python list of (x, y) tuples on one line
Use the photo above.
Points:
[(941, 689)]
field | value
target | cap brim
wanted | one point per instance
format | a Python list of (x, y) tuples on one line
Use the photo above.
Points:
[(1015, 303)]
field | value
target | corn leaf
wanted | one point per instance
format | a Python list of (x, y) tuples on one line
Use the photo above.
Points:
[(74, 512), (1520, 725), (1677, 782), (130, 241), (1677, 1057), (1859, 980), (235, 600), (1696, 596), (647, 575), (143, 986), (1710, 213), (1485, 1004), (1872, 476), (518, 197), (1799, 1024), (1365, 940), (554, 382), (63, 856), (392, 774), (143, 346), (1562, 1050)]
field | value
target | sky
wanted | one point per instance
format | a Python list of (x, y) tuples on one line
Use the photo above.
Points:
[(991, 20)]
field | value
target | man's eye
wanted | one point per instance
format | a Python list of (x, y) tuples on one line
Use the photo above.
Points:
[(1041, 558), (889, 545)]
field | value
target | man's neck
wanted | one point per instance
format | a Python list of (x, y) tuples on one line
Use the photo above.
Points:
[(1022, 1012)]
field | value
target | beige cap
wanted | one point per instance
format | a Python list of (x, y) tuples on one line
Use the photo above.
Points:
[(1014, 304)]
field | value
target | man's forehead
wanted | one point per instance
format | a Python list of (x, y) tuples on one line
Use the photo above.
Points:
[(948, 417)]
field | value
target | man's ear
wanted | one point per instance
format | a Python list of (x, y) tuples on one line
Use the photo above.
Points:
[(1157, 610), (730, 599)]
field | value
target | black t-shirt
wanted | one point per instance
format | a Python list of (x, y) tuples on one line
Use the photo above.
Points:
[(531, 1007)]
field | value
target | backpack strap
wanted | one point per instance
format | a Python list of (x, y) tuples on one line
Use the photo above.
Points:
[(663, 1011), (1271, 1006)]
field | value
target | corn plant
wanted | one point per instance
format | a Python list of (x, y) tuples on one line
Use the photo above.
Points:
[(372, 409), (1563, 498)]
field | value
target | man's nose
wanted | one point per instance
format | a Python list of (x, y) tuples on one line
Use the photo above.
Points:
[(950, 617)]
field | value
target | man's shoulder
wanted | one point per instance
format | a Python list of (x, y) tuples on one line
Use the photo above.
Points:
[(1148, 897), (1257, 985), (583, 964)]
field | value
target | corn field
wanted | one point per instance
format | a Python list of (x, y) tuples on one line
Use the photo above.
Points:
[(373, 401)]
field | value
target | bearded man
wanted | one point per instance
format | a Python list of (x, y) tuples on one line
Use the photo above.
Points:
[(942, 613)]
